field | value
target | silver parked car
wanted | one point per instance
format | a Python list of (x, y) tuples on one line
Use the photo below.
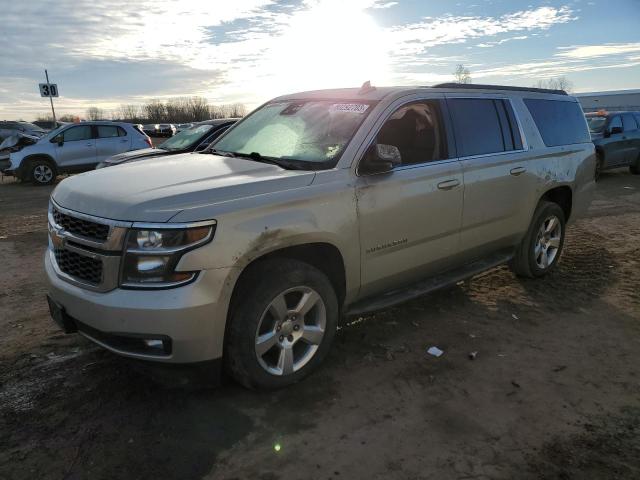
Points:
[(316, 206), (74, 148), (8, 129)]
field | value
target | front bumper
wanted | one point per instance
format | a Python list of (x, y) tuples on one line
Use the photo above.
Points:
[(191, 317)]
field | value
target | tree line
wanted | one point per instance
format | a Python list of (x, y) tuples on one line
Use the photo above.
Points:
[(173, 110)]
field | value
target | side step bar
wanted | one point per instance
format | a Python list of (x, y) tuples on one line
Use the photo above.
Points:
[(428, 285)]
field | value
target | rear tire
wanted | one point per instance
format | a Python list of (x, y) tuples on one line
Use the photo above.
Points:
[(281, 325), (41, 172), (540, 249)]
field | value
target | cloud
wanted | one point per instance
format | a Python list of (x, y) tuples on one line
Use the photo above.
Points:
[(115, 51), (596, 51)]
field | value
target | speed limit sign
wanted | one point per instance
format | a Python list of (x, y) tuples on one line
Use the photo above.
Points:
[(48, 90)]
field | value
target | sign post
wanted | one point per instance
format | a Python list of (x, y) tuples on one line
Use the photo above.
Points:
[(49, 90)]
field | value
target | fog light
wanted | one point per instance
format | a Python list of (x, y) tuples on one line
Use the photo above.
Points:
[(154, 344)]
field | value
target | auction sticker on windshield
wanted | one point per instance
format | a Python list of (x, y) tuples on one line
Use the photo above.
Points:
[(349, 107)]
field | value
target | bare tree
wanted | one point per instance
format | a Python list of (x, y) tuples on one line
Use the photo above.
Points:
[(128, 113), (95, 113), (556, 83), (462, 74), (155, 111)]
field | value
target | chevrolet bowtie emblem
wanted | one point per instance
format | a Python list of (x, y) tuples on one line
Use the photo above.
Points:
[(56, 239)]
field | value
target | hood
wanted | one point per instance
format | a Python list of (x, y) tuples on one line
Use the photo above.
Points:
[(17, 141), (135, 155), (158, 189)]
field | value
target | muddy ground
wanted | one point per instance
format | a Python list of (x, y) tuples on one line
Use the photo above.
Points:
[(553, 393)]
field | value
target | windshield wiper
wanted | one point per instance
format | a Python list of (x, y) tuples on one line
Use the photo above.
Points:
[(222, 153)]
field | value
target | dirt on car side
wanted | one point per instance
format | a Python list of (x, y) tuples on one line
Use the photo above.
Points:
[(553, 391)]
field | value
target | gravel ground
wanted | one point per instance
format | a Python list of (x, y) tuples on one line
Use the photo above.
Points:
[(553, 392)]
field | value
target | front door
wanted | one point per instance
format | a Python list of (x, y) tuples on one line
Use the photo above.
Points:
[(409, 218), (78, 147), (614, 145)]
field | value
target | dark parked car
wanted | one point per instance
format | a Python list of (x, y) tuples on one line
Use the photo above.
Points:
[(194, 139), (11, 128), (616, 136)]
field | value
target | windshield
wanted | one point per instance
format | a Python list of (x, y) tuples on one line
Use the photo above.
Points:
[(596, 124), (185, 138), (312, 132), (53, 132), (32, 127)]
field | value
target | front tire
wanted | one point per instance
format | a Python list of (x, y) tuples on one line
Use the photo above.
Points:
[(282, 324), (635, 169), (540, 250), (42, 172)]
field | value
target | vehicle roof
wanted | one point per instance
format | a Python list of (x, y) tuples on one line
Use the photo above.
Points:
[(378, 93), (217, 121)]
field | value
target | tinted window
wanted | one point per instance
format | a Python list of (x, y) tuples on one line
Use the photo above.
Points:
[(77, 133), (616, 122), (477, 126), (107, 131), (416, 129), (629, 122), (559, 122)]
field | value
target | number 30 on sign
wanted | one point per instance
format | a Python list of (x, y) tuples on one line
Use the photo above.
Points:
[(48, 90)]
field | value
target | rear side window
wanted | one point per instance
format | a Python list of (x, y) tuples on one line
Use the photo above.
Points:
[(559, 122), (108, 131), (615, 122), (629, 122), (484, 126)]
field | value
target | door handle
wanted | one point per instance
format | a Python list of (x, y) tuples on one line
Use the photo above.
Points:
[(89, 144), (124, 140), (448, 184), (517, 171)]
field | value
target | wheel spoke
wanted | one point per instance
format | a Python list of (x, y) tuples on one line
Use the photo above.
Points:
[(538, 250), (307, 302), (285, 361), (551, 226), (278, 307), (265, 342), (544, 259), (554, 242), (312, 334)]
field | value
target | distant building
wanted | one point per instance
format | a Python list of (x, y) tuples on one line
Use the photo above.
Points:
[(611, 101)]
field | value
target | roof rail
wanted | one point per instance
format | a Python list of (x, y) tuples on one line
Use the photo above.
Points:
[(477, 86)]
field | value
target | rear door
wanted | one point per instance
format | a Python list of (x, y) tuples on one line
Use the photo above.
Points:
[(497, 186), (111, 140), (78, 147)]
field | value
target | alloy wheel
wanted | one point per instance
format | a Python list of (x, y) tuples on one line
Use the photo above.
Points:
[(547, 243), (42, 173), (290, 330)]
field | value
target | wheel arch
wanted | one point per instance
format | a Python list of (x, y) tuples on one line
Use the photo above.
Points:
[(562, 196)]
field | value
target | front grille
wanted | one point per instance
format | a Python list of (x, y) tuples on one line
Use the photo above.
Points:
[(78, 266), (80, 227)]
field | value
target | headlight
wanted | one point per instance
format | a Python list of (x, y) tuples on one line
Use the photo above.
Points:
[(152, 254)]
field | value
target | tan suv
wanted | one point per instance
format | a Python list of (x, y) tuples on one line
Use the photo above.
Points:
[(316, 206)]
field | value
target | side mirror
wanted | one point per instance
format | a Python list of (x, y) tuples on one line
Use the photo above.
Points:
[(381, 158), (59, 139), (615, 130)]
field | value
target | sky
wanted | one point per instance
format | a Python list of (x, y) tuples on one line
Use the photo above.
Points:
[(111, 52)]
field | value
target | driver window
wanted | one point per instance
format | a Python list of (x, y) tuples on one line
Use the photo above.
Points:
[(416, 129), (77, 133)]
